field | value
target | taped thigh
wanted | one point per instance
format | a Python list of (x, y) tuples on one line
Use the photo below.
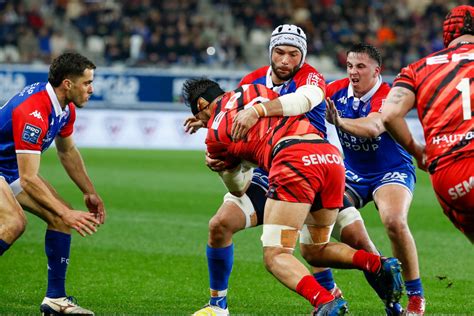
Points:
[(315, 235), (280, 236), (344, 218), (245, 206)]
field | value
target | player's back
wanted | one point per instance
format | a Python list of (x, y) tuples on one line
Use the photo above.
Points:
[(444, 87), (259, 142)]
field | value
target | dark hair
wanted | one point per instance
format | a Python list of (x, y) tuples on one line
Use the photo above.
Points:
[(68, 65), (368, 49), (195, 88)]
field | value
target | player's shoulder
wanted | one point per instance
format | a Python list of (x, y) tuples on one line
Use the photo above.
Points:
[(33, 99), (29, 92), (383, 90), (254, 75), (337, 85), (306, 70), (308, 75), (440, 56)]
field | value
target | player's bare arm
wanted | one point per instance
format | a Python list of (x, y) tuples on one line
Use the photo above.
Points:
[(73, 163), (370, 126), (28, 165), (299, 102), (399, 101), (246, 119)]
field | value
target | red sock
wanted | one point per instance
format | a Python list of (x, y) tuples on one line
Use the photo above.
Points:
[(366, 261), (311, 290)]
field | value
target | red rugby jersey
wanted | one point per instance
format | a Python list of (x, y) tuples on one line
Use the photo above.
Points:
[(443, 83), (257, 146)]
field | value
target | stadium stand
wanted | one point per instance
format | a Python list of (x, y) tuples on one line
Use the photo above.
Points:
[(186, 33)]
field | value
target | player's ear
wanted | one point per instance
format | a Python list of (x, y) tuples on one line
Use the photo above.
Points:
[(378, 69), (67, 83)]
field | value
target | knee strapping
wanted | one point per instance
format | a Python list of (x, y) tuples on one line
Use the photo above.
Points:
[(315, 235), (280, 236), (344, 218), (245, 204)]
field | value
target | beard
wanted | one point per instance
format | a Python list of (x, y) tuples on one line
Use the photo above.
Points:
[(290, 75)]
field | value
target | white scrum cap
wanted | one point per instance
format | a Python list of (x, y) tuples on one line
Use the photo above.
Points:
[(289, 34)]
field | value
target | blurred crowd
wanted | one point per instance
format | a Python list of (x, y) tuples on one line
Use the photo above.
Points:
[(216, 33)]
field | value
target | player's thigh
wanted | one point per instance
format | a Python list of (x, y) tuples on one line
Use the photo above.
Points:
[(318, 227), (281, 226), (322, 217), (10, 209), (393, 200), (285, 213)]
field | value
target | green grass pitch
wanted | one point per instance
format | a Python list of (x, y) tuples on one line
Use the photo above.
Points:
[(149, 257)]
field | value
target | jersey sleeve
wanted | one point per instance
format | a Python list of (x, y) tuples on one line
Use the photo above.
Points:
[(219, 150), (310, 76), (244, 80), (334, 86), (28, 130), (406, 79), (378, 99), (254, 76), (330, 90), (69, 127)]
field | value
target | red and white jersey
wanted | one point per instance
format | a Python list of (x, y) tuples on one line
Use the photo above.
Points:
[(443, 83), (258, 144), (306, 75), (29, 122)]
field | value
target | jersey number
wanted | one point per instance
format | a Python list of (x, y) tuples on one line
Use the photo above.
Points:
[(465, 88)]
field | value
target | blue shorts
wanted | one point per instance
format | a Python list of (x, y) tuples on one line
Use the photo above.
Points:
[(363, 187), (9, 175), (260, 178)]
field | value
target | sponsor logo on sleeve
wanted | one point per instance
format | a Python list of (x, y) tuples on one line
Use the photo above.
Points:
[(37, 114), (31, 134), (313, 79)]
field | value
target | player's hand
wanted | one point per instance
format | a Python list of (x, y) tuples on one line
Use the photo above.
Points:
[(243, 122), (95, 205), (192, 125), (215, 164), (420, 156), (84, 223), (331, 113)]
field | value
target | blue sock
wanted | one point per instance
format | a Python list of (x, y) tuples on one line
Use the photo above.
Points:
[(57, 247), (414, 287), (220, 262), (3, 246), (325, 279)]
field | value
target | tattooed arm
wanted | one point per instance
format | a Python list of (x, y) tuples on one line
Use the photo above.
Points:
[(399, 101)]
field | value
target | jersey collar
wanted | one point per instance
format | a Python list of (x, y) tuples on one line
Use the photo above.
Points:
[(366, 97), (54, 99), (269, 82)]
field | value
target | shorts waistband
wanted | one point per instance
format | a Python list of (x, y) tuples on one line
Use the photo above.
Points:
[(292, 141)]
